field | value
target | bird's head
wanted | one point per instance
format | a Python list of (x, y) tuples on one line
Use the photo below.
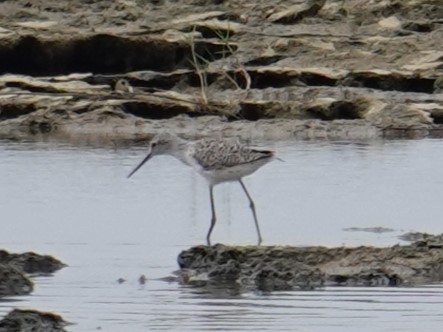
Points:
[(160, 144)]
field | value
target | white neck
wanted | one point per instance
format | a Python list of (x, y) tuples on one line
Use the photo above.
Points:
[(178, 150)]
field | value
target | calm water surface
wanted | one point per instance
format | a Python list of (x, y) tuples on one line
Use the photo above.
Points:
[(75, 203)]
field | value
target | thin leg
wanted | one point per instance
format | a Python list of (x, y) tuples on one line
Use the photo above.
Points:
[(214, 218), (252, 206)]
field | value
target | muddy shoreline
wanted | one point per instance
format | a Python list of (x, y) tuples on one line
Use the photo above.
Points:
[(300, 70)]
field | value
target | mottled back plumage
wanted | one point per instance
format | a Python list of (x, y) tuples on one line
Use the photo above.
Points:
[(214, 154)]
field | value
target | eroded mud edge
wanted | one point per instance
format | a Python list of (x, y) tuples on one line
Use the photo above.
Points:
[(112, 127)]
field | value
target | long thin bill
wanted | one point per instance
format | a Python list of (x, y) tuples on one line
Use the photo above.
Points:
[(140, 165)]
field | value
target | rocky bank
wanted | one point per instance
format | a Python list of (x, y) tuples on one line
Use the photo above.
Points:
[(317, 69), (117, 72)]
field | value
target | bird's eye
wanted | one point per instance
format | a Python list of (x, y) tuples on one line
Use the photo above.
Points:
[(154, 144)]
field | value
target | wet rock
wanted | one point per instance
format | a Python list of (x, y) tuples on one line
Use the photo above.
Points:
[(288, 268), (366, 278), (249, 269), (15, 267), (13, 282), (31, 320), (30, 262)]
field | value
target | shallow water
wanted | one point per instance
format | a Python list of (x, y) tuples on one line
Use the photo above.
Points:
[(75, 203)]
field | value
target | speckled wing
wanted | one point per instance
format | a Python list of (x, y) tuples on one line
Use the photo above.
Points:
[(224, 153)]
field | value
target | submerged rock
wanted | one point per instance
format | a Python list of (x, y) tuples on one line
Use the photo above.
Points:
[(13, 281), (30, 262), (14, 267), (262, 268), (271, 268), (32, 320)]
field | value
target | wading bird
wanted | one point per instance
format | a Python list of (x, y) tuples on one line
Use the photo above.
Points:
[(217, 160)]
